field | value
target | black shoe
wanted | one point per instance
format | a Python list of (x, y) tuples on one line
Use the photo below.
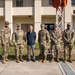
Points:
[(28, 60), (33, 60)]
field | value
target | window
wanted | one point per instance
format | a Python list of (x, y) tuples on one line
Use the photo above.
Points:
[(50, 2), (19, 3), (73, 2), (2, 3)]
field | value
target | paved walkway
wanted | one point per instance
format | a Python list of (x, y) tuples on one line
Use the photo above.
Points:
[(73, 65), (31, 68)]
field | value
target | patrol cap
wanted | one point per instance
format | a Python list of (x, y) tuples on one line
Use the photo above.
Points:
[(42, 25), (68, 25), (18, 25), (7, 23)]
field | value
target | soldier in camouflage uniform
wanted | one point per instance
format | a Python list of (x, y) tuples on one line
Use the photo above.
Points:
[(5, 39), (68, 36), (55, 43), (43, 39), (19, 40)]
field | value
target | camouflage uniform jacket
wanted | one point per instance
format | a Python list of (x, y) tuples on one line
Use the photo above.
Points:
[(18, 37), (43, 35), (55, 37), (5, 35), (68, 36)]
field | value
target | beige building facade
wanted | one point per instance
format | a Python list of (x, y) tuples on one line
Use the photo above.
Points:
[(33, 12)]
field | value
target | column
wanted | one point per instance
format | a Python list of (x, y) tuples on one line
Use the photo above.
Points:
[(37, 15), (8, 13), (68, 15)]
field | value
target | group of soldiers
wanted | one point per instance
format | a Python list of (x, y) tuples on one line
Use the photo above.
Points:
[(54, 38), (44, 38)]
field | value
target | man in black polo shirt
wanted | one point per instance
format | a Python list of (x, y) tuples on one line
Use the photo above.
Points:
[(31, 37)]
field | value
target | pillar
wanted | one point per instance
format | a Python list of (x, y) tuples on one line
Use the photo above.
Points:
[(68, 15), (37, 15), (8, 13)]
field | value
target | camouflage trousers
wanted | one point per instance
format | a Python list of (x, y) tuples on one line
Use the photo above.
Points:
[(55, 49), (43, 51), (68, 49), (5, 50), (19, 50)]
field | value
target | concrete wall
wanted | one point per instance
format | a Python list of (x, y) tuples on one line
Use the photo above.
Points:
[(41, 8), (73, 20), (68, 13), (48, 19), (19, 11), (26, 20), (48, 11), (2, 23), (22, 20)]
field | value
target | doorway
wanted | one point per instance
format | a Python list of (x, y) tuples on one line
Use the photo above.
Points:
[(25, 27), (49, 27)]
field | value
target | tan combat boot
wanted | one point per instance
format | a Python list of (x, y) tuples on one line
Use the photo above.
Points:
[(70, 59), (44, 60), (57, 59), (41, 60), (17, 60), (65, 61), (3, 61), (6, 59), (21, 59), (52, 60)]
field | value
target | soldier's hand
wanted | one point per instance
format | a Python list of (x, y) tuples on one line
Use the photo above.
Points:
[(47, 44), (24, 43), (4, 50), (4, 43), (69, 41), (15, 44), (55, 41)]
